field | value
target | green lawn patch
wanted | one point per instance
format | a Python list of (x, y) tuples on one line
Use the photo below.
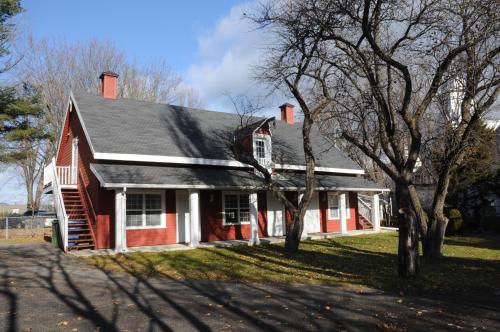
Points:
[(470, 264)]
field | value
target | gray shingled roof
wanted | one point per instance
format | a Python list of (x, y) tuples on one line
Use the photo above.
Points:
[(113, 175), (135, 127)]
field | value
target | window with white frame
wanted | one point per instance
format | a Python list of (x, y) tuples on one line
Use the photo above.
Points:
[(236, 208), (334, 206), (260, 149), (145, 210)]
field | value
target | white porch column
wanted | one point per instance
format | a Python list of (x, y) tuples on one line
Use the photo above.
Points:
[(120, 220), (74, 161), (304, 228), (194, 217), (343, 214), (254, 220), (376, 212)]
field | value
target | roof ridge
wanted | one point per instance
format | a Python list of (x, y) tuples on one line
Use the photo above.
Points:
[(163, 104)]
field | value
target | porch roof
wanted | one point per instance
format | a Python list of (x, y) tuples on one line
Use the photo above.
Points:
[(148, 176)]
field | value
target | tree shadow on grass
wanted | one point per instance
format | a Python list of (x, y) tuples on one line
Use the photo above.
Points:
[(160, 302), (11, 298), (489, 241), (220, 298)]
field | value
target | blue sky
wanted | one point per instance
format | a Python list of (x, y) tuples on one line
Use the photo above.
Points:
[(207, 42), (146, 29)]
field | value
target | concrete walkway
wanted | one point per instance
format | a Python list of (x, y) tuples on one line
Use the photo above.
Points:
[(42, 289), (219, 244)]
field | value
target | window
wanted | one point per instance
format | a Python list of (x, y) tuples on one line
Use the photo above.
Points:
[(236, 209), (260, 149), (145, 210), (334, 206)]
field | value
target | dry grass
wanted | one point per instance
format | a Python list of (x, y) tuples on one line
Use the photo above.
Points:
[(23, 235), (471, 264)]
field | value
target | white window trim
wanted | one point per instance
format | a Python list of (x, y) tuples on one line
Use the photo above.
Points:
[(224, 207), (257, 140), (337, 195), (268, 149), (163, 209)]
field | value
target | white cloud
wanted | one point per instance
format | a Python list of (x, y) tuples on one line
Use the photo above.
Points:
[(228, 56)]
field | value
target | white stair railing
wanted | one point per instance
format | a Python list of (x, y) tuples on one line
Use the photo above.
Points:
[(59, 203), (65, 175), (365, 209)]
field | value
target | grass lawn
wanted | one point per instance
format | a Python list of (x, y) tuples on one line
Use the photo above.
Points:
[(24, 236), (471, 264)]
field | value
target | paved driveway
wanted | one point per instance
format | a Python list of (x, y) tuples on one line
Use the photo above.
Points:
[(44, 290)]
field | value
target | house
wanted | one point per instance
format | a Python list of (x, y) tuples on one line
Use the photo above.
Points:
[(131, 173)]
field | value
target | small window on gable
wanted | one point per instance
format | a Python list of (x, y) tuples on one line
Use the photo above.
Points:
[(260, 149)]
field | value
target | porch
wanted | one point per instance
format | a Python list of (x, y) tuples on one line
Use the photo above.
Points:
[(224, 244), (157, 206)]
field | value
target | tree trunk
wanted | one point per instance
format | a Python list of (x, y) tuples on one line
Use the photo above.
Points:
[(39, 189), (433, 247), (408, 264), (30, 204), (408, 244), (435, 238), (293, 234)]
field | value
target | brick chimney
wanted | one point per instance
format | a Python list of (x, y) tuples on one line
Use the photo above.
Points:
[(108, 84), (287, 113)]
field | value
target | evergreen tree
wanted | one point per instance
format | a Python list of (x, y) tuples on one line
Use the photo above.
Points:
[(24, 137), (8, 9), (477, 178)]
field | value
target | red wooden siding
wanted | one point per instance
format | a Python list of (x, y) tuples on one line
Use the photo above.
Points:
[(262, 213), (157, 236), (333, 225), (102, 200), (291, 196), (212, 228)]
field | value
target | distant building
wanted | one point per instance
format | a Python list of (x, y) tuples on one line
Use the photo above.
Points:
[(12, 209)]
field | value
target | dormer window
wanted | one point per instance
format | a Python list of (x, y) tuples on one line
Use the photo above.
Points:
[(262, 149)]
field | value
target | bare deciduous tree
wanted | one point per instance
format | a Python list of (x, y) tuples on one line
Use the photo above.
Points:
[(236, 138), (58, 67), (378, 67)]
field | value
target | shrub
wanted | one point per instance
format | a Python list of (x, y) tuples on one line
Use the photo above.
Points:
[(455, 222)]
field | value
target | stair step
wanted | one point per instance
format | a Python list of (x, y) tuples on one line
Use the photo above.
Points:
[(85, 246), (79, 231), (90, 241)]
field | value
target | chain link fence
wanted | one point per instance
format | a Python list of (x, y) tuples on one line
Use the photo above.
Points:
[(25, 228)]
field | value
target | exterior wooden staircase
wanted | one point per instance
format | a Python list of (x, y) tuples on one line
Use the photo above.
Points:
[(365, 223), (80, 232)]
